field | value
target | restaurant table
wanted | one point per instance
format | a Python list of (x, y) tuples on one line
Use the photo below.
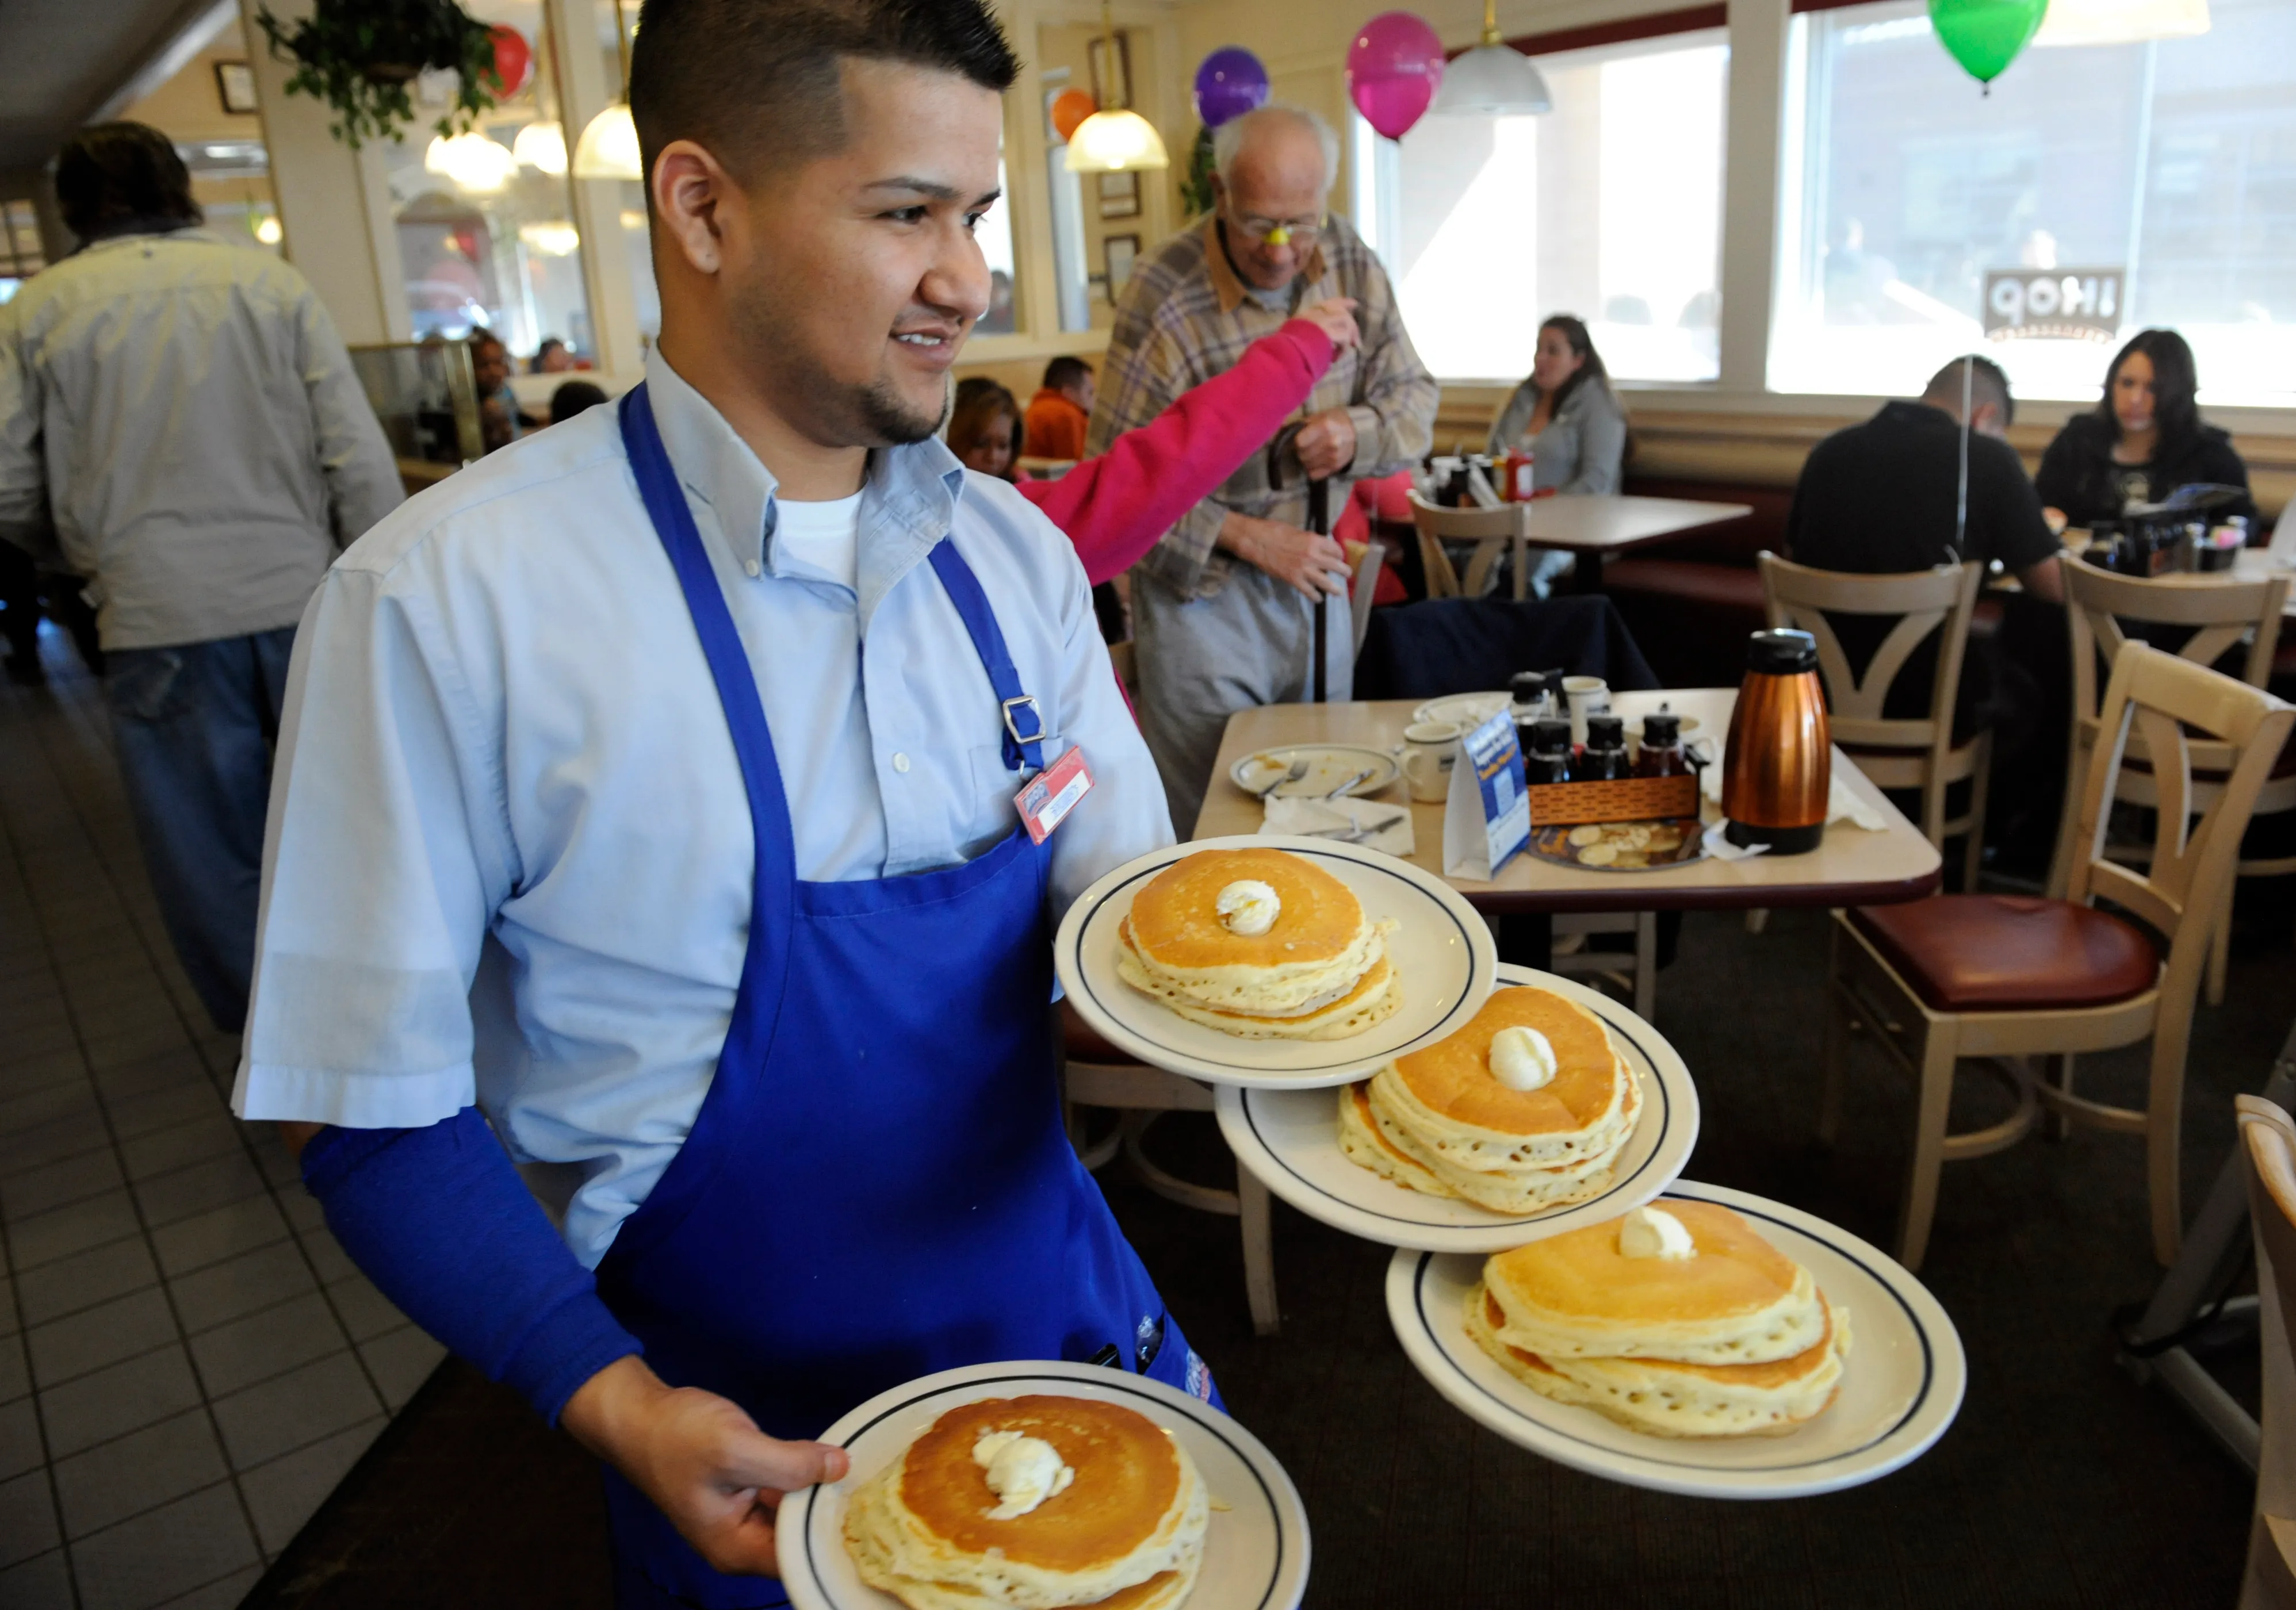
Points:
[(1851, 866), (1594, 529)]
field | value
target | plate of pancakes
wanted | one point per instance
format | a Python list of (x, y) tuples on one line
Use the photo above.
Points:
[(1435, 1153), (1711, 1342), (1271, 959), (1044, 1484)]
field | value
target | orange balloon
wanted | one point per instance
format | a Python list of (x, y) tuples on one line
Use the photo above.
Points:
[(1070, 107)]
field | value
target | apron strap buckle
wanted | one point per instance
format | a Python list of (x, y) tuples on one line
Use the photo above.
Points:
[(1036, 721)]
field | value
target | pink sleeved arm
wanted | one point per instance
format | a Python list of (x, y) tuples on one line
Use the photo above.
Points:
[(1115, 507)]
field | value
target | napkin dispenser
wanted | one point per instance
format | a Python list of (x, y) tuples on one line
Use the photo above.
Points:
[(1777, 773)]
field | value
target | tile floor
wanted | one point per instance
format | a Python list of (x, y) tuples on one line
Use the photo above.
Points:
[(188, 1362)]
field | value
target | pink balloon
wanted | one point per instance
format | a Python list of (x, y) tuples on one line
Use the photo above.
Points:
[(1394, 66)]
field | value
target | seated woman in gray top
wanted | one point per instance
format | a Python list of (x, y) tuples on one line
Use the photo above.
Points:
[(1570, 421)]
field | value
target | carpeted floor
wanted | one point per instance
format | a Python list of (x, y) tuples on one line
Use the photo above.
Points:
[(2062, 1483)]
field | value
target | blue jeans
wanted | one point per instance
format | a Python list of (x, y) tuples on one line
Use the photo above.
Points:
[(196, 724)]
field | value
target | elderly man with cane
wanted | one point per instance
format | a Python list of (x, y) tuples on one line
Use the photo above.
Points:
[(1226, 607)]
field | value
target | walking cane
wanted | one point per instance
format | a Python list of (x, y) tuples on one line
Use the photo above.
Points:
[(1319, 521)]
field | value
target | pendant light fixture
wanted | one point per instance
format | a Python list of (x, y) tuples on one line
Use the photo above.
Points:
[(608, 147), (1494, 80), (2121, 21), (1115, 140)]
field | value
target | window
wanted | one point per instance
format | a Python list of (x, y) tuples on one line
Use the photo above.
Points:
[(485, 221), (21, 254), (1608, 207), (2173, 162)]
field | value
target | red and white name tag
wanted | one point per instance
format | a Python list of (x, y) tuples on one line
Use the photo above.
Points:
[(1052, 793)]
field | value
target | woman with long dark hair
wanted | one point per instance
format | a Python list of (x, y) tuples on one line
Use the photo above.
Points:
[(2145, 438), (1569, 420)]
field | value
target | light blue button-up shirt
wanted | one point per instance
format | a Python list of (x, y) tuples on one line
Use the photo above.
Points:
[(509, 857)]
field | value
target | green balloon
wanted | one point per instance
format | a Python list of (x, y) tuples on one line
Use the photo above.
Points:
[(1984, 36)]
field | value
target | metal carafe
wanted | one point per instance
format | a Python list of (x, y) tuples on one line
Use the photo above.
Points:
[(1778, 772)]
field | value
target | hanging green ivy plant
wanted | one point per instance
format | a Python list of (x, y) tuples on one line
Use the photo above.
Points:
[(362, 56)]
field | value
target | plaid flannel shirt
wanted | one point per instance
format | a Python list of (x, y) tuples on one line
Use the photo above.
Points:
[(1187, 317)]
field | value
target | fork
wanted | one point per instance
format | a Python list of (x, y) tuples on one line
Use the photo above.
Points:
[(1298, 770)]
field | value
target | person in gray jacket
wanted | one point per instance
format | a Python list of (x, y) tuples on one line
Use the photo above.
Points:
[(180, 424), (1570, 421)]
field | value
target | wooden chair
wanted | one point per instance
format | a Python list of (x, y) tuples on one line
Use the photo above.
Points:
[(2002, 976), (2223, 613), (2270, 1140), (1093, 1073), (1491, 530), (1896, 752)]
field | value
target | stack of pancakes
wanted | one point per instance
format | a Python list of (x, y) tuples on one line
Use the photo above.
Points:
[(1737, 1341), (1127, 1533), (1320, 972), (1440, 1121)]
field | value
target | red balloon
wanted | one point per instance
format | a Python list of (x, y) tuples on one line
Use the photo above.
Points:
[(1070, 107), (514, 60)]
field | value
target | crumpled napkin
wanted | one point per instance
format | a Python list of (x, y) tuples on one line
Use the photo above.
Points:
[(1381, 826), (1841, 804)]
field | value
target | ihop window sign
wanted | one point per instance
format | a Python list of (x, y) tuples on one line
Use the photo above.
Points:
[(2059, 304)]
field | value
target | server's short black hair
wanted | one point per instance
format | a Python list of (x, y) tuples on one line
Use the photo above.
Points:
[(1987, 383), (1063, 372), (757, 82), (119, 173)]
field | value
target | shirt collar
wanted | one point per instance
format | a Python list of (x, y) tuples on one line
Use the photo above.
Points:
[(1230, 289), (908, 499)]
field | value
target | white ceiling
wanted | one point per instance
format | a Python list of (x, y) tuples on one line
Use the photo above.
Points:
[(67, 62)]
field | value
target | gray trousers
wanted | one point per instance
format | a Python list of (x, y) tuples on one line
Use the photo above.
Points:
[(1201, 660)]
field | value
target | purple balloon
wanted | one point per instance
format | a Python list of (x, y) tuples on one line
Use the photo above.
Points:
[(1229, 84), (1393, 69)]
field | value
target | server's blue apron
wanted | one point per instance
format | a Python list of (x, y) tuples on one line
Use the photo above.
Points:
[(877, 1185)]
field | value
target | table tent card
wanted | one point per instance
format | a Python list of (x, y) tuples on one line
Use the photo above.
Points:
[(1487, 817)]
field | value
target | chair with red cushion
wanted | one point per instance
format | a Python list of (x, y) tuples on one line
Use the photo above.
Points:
[(1895, 752), (2225, 612), (2003, 978)]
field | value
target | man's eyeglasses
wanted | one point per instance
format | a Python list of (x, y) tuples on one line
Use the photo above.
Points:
[(1300, 232)]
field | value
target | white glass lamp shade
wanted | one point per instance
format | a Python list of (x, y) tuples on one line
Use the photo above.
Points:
[(609, 148), (1115, 142), (2121, 21), (1494, 81), (541, 146), (267, 230), (472, 163)]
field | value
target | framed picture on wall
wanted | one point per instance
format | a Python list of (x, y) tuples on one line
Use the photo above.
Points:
[(1117, 252), (236, 83), (1112, 71), (1119, 195)]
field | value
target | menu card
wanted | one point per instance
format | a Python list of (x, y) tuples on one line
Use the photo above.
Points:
[(1487, 817)]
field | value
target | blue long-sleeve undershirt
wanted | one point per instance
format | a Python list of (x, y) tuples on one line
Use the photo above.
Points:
[(439, 1218)]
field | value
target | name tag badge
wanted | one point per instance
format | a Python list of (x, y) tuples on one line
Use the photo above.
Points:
[(1052, 793)]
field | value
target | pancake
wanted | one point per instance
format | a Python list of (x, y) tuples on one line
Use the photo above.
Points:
[(1663, 1398), (1126, 1533), (1440, 1121), (1739, 1301), (1371, 999), (1317, 971)]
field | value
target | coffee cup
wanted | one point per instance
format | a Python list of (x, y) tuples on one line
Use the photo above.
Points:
[(1586, 696), (1429, 750)]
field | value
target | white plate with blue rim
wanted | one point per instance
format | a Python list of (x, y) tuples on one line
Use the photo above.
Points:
[(1289, 1139), (1901, 1384), (1469, 710), (1255, 1547), (1441, 949)]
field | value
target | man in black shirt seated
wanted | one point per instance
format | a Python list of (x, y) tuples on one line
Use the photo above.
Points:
[(1881, 497), (1884, 497)]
